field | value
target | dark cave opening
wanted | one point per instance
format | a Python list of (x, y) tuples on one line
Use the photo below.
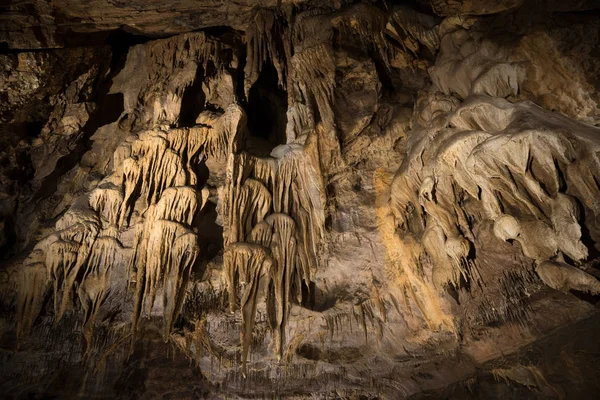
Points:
[(210, 233), (210, 237), (192, 101), (586, 296), (266, 108)]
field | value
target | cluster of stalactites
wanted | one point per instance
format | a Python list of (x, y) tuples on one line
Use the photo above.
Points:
[(266, 40), (107, 200), (164, 255), (258, 187), (162, 159), (368, 25), (85, 249), (416, 28), (312, 65), (165, 246), (95, 285), (178, 51), (244, 265), (302, 54), (525, 199), (313, 74), (286, 275), (60, 262), (371, 26), (272, 212)]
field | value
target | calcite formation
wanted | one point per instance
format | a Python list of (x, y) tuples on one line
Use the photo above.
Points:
[(307, 199)]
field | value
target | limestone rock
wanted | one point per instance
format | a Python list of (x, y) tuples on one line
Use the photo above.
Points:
[(299, 199)]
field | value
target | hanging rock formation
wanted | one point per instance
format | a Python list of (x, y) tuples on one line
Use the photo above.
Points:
[(299, 199)]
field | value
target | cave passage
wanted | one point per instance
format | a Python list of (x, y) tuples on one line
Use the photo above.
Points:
[(192, 102), (267, 107)]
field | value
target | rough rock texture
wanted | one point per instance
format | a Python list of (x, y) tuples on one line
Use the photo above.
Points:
[(299, 199)]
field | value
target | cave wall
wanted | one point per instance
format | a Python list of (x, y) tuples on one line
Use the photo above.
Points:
[(357, 199)]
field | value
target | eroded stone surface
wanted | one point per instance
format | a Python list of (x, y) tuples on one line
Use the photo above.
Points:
[(307, 199)]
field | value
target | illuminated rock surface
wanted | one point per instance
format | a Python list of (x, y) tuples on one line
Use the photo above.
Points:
[(300, 199)]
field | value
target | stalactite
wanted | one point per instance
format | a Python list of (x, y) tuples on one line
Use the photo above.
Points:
[(171, 53), (249, 204), (159, 168), (585, 175), (131, 179), (483, 155), (177, 204), (169, 172), (93, 290), (165, 159), (297, 194), (265, 39), (61, 260), (34, 287), (420, 26), (62, 254), (485, 182), (245, 264), (282, 275), (79, 218), (369, 26), (300, 121), (106, 200), (184, 253), (289, 224), (314, 71), (228, 132), (164, 260), (64, 259)]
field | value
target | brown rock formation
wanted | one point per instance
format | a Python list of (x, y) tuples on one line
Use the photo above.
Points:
[(307, 199)]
